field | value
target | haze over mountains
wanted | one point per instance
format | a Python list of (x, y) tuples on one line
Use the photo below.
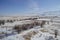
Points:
[(51, 13)]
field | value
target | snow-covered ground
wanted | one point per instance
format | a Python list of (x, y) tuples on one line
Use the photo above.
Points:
[(36, 33), (26, 35)]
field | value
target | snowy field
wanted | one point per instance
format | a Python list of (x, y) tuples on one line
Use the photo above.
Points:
[(47, 32)]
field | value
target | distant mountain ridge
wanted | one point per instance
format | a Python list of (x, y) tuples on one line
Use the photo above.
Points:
[(53, 13)]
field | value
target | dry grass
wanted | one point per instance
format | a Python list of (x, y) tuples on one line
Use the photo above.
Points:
[(44, 30), (29, 35)]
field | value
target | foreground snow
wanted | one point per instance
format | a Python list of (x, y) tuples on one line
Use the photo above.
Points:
[(40, 35)]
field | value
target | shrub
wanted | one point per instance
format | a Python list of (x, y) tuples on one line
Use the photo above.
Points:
[(43, 22), (7, 20), (17, 28), (0, 22), (3, 22), (11, 20)]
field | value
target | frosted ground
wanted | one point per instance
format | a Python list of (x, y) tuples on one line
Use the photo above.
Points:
[(36, 33)]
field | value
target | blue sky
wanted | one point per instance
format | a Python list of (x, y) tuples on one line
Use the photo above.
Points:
[(24, 7)]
